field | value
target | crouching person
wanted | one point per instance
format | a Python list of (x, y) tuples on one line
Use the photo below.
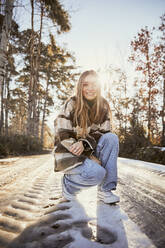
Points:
[(86, 150)]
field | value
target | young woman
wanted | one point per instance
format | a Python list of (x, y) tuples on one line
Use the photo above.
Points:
[(86, 150)]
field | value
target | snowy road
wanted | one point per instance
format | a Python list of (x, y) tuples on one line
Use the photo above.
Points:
[(142, 191), (31, 215)]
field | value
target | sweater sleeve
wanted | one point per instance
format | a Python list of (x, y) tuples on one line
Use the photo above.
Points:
[(64, 133)]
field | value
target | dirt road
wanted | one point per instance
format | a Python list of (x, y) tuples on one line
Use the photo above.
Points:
[(30, 192)]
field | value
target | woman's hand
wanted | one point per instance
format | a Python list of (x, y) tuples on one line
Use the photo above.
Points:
[(77, 148)]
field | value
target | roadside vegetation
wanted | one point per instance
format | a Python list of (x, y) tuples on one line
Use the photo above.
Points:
[(37, 74)]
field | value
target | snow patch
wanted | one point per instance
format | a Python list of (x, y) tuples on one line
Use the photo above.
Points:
[(139, 163)]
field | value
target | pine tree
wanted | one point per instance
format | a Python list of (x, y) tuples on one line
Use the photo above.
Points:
[(57, 67), (56, 13)]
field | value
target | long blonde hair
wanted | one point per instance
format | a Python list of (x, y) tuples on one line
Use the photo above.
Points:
[(81, 116)]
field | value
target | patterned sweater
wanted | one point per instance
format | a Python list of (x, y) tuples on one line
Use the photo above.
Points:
[(66, 134)]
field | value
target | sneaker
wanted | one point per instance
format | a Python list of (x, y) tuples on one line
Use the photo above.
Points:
[(108, 197)]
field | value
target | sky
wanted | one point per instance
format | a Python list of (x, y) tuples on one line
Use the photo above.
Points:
[(102, 30)]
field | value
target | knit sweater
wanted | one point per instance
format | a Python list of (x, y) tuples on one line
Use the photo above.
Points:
[(66, 133)]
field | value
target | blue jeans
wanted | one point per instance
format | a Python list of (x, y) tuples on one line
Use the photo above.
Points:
[(90, 173)]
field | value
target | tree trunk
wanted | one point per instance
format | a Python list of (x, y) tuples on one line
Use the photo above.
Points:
[(149, 93), (126, 105), (31, 83), (44, 113), (163, 116), (4, 36), (1, 112), (36, 80), (38, 120), (7, 103)]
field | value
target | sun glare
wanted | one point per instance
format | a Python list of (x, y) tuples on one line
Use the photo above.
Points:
[(104, 82)]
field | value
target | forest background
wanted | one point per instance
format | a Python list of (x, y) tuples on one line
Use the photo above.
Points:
[(37, 74)]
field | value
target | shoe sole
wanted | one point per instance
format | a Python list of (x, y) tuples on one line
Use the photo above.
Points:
[(108, 201)]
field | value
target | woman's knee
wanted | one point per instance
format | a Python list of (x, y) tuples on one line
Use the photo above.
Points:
[(110, 138), (94, 171)]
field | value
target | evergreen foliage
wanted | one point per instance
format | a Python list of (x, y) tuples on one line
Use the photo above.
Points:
[(34, 68), (36, 75)]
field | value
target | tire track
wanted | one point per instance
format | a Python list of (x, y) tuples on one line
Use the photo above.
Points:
[(32, 214), (35, 217), (27, 208), (144, 200)]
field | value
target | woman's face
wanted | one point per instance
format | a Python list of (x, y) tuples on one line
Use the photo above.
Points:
[(89, 89)]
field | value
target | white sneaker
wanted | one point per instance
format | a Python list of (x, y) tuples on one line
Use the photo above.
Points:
[(108, 197)]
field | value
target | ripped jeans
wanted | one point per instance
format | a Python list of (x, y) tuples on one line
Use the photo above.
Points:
[(90, 173)]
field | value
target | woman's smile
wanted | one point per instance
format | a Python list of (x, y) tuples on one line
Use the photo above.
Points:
[(89, 89), (89, 95)]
